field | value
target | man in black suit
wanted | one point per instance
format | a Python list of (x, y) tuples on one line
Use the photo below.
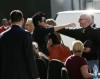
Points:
[(17, 59)]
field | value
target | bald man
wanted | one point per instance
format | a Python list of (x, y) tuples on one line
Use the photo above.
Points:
[(86, 32), (81, 33)]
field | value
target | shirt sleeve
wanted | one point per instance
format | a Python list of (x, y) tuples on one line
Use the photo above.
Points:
[(83, 61), (47, 30)]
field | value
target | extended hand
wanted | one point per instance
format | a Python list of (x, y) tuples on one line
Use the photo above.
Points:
[(72, 25)]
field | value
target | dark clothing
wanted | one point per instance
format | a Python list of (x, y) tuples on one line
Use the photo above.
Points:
[(88, 33), (79, 34), (73, 65), (40, 36), (17, 59), (88, 43), (94, 25), (89, 55)]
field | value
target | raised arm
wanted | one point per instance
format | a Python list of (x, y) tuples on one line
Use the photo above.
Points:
[(56, 28)]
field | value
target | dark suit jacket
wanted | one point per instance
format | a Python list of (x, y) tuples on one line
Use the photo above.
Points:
[(17, 59)]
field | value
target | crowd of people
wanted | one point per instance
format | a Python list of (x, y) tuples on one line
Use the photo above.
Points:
[(40, 39)]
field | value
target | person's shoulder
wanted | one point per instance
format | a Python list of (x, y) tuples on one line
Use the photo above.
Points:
[(27, 33), (94, 27), (97, 28), (69, 58), (81, 58), (20, 30)]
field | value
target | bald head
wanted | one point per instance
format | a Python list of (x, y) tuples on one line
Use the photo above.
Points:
[(86, 16), (85, 20)]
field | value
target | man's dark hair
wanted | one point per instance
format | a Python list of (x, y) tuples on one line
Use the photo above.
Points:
[(16, 15), (55, 38), (37, 17)]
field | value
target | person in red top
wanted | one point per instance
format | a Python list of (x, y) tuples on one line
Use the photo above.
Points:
[(77, 65), (4, 25), (57, 50)]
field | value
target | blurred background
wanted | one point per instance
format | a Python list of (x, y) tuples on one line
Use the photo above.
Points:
[(50, 7)]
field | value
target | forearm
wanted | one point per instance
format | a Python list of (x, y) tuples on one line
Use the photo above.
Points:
[(56, 28)]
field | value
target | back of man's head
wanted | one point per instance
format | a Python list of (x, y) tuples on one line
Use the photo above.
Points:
[(16, 16), (37, 17)]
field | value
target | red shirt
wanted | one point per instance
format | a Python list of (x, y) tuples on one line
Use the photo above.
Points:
[(73, 65), (3, 28), (60, 52)]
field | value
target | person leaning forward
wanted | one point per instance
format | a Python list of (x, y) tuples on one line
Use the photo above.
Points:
[(41, 31), (86, 32)]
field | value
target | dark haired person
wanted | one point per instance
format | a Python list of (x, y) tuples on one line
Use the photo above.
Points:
[(89, 54), (17, 59), (41, 30), (57, 50)]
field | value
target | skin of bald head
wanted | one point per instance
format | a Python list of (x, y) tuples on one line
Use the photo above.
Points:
[(85, 20)]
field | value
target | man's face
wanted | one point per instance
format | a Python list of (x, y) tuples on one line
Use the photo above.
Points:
[(43, 22), (83, 21)]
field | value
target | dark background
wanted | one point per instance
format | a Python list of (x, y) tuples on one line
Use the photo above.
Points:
[(28, 7)]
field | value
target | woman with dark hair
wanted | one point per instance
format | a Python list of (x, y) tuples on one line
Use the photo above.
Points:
[(57, 50)]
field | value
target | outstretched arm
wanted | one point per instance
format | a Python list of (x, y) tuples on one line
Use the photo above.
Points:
[(56, 28)]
